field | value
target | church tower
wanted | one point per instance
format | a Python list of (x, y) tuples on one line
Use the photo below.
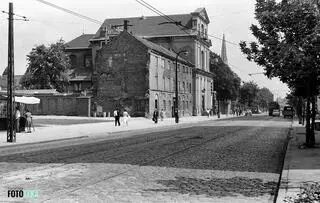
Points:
[(224, 51)]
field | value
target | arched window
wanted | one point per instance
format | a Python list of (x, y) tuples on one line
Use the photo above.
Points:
[(183, 87), (202, 30), (202, 60), (156, 101)]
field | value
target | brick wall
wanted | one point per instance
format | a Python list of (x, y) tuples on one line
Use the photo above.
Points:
[(121, 75), (69, 105)]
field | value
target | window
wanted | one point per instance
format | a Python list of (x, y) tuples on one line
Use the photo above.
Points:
[(162, 63), (73, 60), (102, 44), (202, 60), (194, 23), (156, 61), (87, 61), (202, 30), (164, 82), (183, 87)]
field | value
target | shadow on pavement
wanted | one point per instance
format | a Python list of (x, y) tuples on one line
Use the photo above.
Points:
[(218, 187), (255, 118)]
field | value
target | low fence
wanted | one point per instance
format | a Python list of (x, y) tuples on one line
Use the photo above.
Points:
[(66, 105)]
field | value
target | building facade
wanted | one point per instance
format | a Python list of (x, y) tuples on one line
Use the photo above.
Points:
[(139, 76), (189, 34)]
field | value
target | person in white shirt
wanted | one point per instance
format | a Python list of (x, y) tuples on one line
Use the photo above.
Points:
[(125, 117), (17, 117)]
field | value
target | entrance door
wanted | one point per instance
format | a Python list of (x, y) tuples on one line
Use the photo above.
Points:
[(203, 105)]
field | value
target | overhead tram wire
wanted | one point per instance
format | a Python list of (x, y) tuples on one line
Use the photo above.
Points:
[(71, 12)]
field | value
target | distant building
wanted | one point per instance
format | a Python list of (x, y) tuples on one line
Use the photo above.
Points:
[(191, 35)]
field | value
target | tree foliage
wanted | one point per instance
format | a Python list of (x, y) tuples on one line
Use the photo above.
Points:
[(248, 94), (288, 44), (288, 40), (48, 67), (226, 82), (264, 97)]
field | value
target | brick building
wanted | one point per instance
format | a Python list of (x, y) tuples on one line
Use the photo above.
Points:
[(138, 75), (190, 35)]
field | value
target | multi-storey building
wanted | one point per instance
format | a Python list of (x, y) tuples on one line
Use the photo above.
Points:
[(135, 74), (187, 32)]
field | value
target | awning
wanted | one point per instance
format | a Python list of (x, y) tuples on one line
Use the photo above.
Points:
[(27, 100)]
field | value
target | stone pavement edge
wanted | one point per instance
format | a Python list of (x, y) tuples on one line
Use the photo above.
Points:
[(301, 165)]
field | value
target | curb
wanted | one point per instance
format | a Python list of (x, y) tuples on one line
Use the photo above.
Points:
[(283, 178)]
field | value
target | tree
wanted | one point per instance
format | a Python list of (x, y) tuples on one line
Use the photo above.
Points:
[(288, 43), (226, 82), (264, 97), (48, 68), (248, 94)]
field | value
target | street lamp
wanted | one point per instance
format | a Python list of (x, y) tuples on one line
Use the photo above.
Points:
[(176, 111)]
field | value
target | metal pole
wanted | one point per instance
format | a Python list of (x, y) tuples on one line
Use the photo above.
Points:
[(176, 114), (11, 134)]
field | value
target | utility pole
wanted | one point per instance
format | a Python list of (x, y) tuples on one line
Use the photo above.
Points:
[(11, 134), (125, 25)]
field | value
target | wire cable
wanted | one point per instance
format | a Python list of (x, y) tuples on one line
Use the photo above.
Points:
[(71, 12)]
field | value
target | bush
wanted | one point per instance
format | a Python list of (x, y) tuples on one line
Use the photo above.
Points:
[(310, 194)]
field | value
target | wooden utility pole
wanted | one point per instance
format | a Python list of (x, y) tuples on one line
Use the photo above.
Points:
[(11, 134), (125, 25)]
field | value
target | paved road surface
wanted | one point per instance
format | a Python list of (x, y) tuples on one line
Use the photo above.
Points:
[(235, 160)]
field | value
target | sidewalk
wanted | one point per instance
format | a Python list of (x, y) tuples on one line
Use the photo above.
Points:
[(301, 166), (60, 132)]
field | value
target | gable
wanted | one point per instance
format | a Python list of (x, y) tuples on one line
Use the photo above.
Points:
[(202, 13)]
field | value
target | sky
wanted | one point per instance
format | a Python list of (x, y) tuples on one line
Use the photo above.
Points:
[(47, 25)]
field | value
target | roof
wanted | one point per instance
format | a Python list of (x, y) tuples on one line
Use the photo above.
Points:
[(31, 92), (148, 26), (160, 49), (154, 47), (81, 78), (80, 42)]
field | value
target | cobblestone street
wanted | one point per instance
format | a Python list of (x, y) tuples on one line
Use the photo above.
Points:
[(233, 160)]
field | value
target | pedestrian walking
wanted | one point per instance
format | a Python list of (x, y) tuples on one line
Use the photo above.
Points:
[(17, 117), (126, 117), (29, 121), (155, 116), (208, 112), (161, 114), (116, 115)]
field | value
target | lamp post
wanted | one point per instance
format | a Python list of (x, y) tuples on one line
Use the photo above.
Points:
[(176, 111)]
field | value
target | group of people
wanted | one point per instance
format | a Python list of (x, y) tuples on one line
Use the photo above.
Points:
[(28, 117), (157, 114), (125, 115)]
